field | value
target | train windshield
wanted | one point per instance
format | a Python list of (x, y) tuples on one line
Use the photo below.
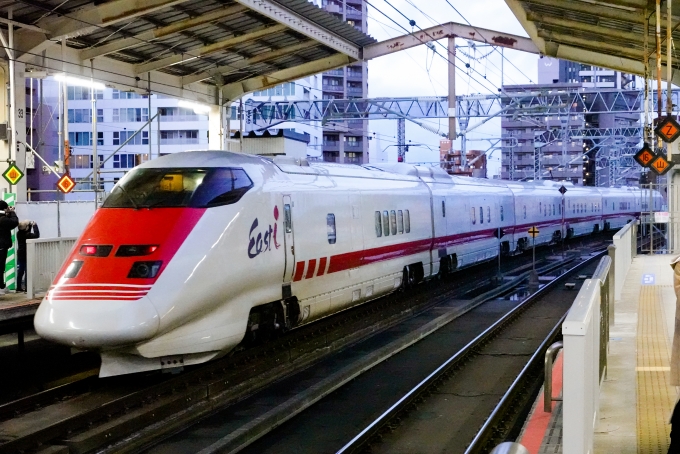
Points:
[(199, 188)]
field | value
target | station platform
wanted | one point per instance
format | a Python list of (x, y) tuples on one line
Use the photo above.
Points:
[(16, 305), (636, 398)]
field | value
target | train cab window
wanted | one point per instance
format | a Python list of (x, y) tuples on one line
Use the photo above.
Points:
[(525, 211), (393, 221), (473, 215), (378, 224), (386, 223), (488, 214), (287, 219), (330, 227), (443, 209), (481, 215), (407, 222), (179, 187), (400, 221), (501, 213)]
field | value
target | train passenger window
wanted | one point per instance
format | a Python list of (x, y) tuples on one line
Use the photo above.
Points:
[(481, 215), (501, 213), (488, 214), (613, 209), (539, 207), (443, 209), (473, 215), (400, 221), (287, 219), (407, 222), (330, 227), (525, 211), (553, 209), (378, 225), (393, 221), (386, 223)]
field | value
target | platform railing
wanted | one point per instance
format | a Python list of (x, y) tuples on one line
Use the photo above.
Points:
[(625, 242), (44, 258), (585, 333)]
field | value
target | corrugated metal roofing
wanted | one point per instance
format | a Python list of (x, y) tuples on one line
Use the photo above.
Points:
[(187, 42)]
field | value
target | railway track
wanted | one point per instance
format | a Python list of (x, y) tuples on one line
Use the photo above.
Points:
[(317, 410), (96, 419)]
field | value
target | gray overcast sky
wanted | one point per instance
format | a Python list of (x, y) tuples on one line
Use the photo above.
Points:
[(420, 72)]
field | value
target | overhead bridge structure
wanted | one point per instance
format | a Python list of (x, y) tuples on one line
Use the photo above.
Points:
[(215, 51)]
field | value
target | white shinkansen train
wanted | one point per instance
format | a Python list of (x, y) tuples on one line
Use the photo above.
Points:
[(194, 251)]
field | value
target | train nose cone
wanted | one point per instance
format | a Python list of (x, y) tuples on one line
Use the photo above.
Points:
[(95, 324)]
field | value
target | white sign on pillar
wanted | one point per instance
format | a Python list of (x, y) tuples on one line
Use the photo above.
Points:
[(19, 154)]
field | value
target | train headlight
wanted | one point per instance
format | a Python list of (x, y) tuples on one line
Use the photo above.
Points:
[(95, 251), (145, 270), (132, 250), (73, 269)]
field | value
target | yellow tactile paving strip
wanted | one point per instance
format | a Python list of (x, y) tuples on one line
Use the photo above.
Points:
[(655, 395)]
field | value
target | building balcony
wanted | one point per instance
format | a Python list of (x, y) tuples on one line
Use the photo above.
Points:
[(353, 14), (356, 91), (331, 145), (333, 88), (335, 72), (354, 146), (354, 76), (183, 117), (354, 160)]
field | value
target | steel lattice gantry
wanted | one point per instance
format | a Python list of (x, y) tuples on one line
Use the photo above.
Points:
[(614, 147)]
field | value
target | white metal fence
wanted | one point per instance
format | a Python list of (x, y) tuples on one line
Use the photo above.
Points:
[(625, 242), (44, 258), (585, 333), (57, 219)]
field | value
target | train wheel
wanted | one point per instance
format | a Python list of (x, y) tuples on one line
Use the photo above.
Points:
[(444, 267), (408, 278)]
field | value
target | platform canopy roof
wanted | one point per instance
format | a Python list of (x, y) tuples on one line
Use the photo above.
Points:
[(606, 33), (183, 48)]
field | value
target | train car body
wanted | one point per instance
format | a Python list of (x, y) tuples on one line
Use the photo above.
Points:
[(193, 252)]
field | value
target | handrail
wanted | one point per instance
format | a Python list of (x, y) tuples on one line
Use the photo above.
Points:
[(602, 270), (550, 355)]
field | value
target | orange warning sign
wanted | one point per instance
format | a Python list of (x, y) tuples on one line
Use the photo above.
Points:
[(13, 174), (668, 129), (644, 156), (660, 165), (66, 184)]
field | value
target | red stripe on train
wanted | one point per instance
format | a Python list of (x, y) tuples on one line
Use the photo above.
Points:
[(299, 269)]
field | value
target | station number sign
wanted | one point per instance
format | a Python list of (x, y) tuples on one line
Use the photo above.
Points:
[(13, 174), (660, 165), (668, 129), (66, 184), (645, 156)]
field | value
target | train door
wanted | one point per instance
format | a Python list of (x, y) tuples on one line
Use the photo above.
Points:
[(356, 225), (288, 242)]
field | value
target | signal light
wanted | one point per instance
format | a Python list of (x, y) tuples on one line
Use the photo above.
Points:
[(95, 251), (133, 250), (145, 270)]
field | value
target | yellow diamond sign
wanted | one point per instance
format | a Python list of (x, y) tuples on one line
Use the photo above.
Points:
[(13, 174)]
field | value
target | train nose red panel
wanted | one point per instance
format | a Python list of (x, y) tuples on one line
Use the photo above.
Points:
[(166, 228)]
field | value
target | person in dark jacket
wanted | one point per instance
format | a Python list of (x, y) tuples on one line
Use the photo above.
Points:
[(27, 230), (8, 222)]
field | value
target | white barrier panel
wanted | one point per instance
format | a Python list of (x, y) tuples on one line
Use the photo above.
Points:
[(57, 219), (623, 241), (581, 383), (44, 258)]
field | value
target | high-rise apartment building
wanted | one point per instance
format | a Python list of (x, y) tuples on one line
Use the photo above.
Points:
[(568, 143), (346, 141)]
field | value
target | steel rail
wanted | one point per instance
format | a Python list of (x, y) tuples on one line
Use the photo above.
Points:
[(367, 433)]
